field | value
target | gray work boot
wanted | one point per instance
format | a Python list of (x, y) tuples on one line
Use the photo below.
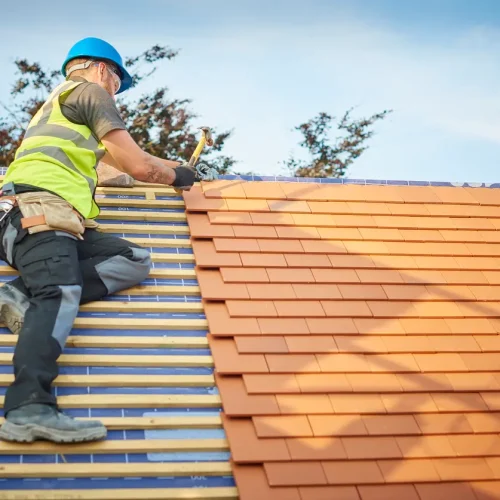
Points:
[(40, 421), (13, 307)]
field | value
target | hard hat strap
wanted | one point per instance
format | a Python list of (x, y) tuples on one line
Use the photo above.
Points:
[(76, 67)]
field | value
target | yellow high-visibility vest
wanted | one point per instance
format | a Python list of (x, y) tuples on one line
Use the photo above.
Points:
[(59, 155)]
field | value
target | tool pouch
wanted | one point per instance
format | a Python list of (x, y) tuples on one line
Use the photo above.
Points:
[(44, 211), (91, 224)]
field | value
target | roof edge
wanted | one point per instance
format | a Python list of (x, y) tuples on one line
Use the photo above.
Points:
[(331, 180)]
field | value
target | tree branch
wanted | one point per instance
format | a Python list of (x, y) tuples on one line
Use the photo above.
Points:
[(11, 114)]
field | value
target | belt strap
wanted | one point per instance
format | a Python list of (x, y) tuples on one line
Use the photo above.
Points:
[(34, 220), (12, 199)]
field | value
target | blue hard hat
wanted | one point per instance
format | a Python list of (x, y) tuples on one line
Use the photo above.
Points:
[(96, 48)]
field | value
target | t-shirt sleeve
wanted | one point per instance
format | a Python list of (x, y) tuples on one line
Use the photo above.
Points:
[(90, 105)]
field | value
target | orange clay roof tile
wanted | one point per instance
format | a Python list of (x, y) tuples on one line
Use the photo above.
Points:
[(355, 335)]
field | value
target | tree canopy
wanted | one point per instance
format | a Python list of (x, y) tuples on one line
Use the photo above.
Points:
[(332, 158)]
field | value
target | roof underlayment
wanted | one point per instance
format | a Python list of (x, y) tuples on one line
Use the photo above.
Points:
[(354, 328), (139, 362)]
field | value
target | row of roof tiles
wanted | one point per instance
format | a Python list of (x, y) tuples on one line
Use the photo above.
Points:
[(355, 336)]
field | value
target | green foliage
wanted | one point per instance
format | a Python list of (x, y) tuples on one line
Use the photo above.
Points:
[(332, 158)]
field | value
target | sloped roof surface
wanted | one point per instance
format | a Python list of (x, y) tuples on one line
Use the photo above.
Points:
[(140, 362), (355, 335)]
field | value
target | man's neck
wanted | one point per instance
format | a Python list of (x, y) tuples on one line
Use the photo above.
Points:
[(77, 79)]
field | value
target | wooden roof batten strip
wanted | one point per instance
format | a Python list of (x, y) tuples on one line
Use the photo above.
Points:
[(123, 494)]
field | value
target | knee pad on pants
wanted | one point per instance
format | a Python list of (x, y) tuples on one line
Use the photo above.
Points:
[(119, 272)]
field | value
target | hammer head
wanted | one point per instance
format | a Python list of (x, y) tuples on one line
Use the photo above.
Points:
[(208, 135)]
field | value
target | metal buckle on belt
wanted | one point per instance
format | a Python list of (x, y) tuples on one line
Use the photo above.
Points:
[(6, 206)]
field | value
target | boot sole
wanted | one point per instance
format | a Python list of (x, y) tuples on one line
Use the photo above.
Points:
[(14, 324), (28, 433)]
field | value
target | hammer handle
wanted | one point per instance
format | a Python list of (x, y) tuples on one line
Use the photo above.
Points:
[(195, 156), (197, 152)]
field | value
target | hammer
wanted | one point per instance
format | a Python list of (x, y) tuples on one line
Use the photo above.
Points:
[(206, 138)]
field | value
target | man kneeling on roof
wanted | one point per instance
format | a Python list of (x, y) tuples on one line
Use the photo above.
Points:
[(48, 233)]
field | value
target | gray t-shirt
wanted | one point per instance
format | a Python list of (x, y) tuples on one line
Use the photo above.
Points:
[(90, 105)]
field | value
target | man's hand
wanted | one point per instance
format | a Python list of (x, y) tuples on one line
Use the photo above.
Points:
[(108, 175)]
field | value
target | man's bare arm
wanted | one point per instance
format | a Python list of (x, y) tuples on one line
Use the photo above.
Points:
[(128, 157), (159, 171)]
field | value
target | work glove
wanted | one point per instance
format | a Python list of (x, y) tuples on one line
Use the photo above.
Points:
[(206, 173), (184, 177)]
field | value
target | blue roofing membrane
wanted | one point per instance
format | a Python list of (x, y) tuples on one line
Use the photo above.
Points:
[(145, 434)]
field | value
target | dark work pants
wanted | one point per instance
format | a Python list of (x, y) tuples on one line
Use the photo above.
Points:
[(58, 273)]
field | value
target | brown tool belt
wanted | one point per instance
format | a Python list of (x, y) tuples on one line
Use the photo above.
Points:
[(43, 211), (38, 222)]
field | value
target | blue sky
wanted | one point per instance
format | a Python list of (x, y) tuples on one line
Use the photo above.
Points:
[(262, 67)]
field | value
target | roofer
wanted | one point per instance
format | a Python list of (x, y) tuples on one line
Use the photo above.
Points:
[(50, 237)]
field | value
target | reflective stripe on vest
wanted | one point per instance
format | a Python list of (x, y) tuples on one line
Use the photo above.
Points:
[(50, 141)]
